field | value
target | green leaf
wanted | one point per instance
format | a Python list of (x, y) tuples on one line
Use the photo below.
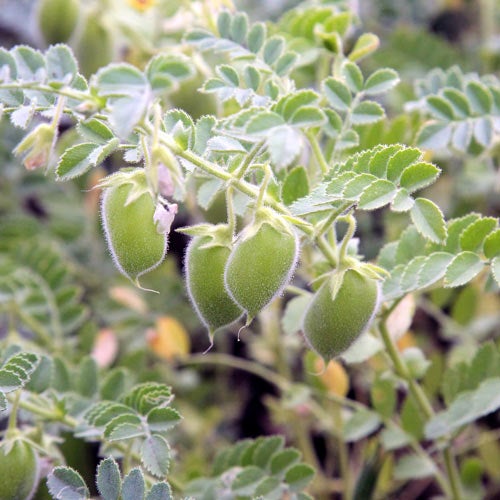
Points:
[(265, 450), (365, 45), (383, 397), (239, 28), (65, 483), (284, 145), (433, 268), (412, 418), (299, 476), (337, 94), (361, 424), (381, 81), (458, 102), (228, 74), (155, 454), (160, 491), (114, 383), (270, 487), (30, 63), (75, 161), (439, 108), (120, 80), (308, 117), (394, 438), (379, 161), (428, 220), (283, 460), (286, 63), (288, 105), (366, 113), (221, 144), (400, 160), (434, 135), (3, 402), (418, 176), (492, 245), (108, 479), (224, 24), (164, 72), (61, 64), (495, 269), (162, 419), (295, 185), (402, 202), (377, 194), (455, 228), (133, 487), (17, 370), (256, 37), (41, 376), (246, 481), (483, 131), (353, 76), (95, 130), (464, 267), (362, 349), (474, 235), (273, 49), (262, 122), (466, 408), (479, 97), (87, 377), (414, 467)]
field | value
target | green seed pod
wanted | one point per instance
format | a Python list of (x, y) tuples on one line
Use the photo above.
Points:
[(19, 471), (340, 311), (57, 19), (135, 240), (204, 264), (95, 47), (261, 264)]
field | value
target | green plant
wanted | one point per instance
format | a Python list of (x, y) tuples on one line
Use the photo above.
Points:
[(340, 311), (20, 469), (314, 157)]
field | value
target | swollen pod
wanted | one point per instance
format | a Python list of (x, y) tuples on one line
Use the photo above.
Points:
[(340, 311), (204, 266), (261, 264), (135, 240)]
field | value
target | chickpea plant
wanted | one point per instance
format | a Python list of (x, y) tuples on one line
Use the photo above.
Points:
[(285, 148)]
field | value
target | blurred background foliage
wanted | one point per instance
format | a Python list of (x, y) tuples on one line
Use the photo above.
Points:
[(152, 335)]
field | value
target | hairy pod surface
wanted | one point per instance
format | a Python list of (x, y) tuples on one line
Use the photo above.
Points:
[(260, 266), (332, 324), (131, 232), (204, 267), (57, 19), (19, 472)]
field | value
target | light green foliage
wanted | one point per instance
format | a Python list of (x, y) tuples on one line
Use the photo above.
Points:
[(260, 467), (302, 142)]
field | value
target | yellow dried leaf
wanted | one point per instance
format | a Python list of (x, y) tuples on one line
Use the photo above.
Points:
[(334, 377), (169, 339)]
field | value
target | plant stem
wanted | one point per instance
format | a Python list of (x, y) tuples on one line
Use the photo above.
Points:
[(317, 152), (424, 404), (12, 423)]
